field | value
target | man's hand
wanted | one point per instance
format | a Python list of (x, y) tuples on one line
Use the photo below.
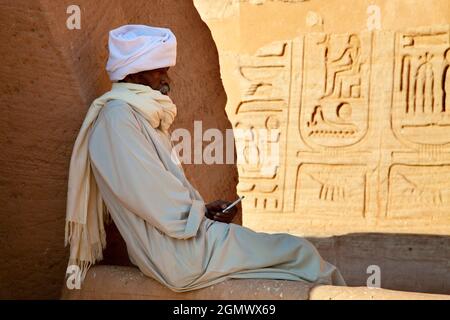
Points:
[(214, 211)]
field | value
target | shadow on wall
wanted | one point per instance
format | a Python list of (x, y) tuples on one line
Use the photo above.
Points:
[(408, 262), (53, 75)]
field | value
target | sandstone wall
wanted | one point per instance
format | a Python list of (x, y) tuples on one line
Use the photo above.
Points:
[(361, 148), (343, 111), (358, 99), (50, 75)]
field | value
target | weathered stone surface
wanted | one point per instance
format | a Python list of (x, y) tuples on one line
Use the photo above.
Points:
[(357, 97), (108, 282), (407, 262), (51, 74), (364, 293), (359, 106)]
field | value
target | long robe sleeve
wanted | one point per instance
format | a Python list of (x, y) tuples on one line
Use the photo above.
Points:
[(134, 173)]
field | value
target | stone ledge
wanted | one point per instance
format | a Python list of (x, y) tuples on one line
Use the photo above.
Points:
[(128, 283), (114, 282), (364, 293)]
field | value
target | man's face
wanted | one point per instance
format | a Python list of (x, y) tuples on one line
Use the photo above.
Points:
[(157, 79)]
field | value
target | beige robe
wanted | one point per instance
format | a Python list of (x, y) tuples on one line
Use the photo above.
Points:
[(162, 217)]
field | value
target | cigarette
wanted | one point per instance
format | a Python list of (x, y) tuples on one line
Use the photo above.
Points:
[(233, 204)]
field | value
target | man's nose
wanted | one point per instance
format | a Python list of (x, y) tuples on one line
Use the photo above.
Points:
[(167, 79)]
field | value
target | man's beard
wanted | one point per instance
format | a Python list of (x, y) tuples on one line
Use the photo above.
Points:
[(164, 89)]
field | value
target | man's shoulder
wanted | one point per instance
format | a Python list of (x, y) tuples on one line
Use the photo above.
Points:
[(117, 114), (116, 107), (115, 117), (118, 111)]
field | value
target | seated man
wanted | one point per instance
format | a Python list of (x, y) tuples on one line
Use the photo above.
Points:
[(122, 163)]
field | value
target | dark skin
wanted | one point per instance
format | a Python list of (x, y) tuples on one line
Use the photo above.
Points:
[(158, 79), (214, 211)]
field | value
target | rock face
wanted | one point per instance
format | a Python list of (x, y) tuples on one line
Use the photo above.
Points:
[(51, 74), (342, 125)]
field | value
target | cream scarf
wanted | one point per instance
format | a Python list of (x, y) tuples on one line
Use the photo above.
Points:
[(86, 212)]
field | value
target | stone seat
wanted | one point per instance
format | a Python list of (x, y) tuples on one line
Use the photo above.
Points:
[(116, 282)]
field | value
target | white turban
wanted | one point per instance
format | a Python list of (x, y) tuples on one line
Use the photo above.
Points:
[(136, 48)]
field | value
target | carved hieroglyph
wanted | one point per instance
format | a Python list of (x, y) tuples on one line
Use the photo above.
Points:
[(360, 122), (263, 109), (421, 114)]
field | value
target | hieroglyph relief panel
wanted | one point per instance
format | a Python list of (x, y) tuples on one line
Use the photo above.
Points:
[(332, 179), (260, 121), (421, 109), (423, 190), (418, 178), (332, 190), (347, 155), (335, 98)]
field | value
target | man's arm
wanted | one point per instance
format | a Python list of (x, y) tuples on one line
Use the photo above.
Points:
[(134, 173), (214, 211)]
